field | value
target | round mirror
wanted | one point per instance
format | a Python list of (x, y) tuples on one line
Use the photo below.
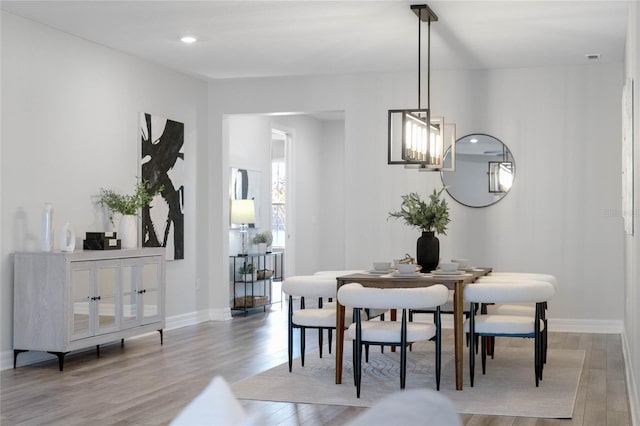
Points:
[(484, 173)]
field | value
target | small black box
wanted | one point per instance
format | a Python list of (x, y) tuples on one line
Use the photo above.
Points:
[(103, 244), (100, 235)]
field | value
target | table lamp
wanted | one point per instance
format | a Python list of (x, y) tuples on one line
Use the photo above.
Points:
[(243, 212)]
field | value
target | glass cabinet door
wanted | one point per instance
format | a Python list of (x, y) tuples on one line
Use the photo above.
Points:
[(150, 291), (141, 291), (94, 298), (105, 298), (81, 294), (130, 294)]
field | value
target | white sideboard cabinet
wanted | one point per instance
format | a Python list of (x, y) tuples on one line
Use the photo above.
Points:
[(68, 301)]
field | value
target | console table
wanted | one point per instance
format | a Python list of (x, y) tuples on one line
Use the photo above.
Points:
[(64, 301), (253, 290)]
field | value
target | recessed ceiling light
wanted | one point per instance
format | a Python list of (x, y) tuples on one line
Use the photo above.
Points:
[(474, 140), (592, 56), (188, 39)]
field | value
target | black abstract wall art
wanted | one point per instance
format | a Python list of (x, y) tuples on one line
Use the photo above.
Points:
[(162, 164)]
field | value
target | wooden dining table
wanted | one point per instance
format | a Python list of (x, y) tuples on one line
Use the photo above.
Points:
[(452, 282)]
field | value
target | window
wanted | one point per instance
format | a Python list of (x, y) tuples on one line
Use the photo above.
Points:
[(278, 188)]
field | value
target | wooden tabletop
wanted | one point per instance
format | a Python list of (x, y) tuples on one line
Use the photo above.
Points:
[(390, 281)]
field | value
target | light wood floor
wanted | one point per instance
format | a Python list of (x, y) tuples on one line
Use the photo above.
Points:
[(145, 383)]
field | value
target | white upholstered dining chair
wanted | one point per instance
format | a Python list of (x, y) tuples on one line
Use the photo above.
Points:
[(491, 325), (526, 309), (310, 288), (391, 333)]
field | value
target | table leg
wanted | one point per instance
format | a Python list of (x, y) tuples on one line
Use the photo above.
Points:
[(339, 340), (458, 329)]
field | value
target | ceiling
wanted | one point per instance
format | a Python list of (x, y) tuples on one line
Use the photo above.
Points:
[(285, 38)]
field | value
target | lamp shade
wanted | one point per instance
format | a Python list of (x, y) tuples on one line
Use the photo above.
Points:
[(243, 211)]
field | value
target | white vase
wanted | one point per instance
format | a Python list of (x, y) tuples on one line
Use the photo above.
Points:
[(128, 231), (67, 238), (262, 248), (46, 236)]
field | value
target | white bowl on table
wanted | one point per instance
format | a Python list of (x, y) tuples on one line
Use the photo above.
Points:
[(449, 266), (462, 263), (406, 268), (381, 266)]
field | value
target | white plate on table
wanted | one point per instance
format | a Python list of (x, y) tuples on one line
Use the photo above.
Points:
[(377, 272), (470, 269), (447, 273), (409, 275)]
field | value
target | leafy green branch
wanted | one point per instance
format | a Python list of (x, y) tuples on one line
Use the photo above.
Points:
[(127, 204), (431, 217)]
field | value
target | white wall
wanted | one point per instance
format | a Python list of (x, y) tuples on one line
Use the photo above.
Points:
[(631, 335), (560, 216), (69, 127), (331, 193)]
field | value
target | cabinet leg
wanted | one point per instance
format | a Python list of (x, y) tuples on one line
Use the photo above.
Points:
[(60, 356), (122, 343), (161, 337), (98, 351), (15, 355)]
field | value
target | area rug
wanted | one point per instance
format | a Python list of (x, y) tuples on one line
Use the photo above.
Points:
[(508, 388)]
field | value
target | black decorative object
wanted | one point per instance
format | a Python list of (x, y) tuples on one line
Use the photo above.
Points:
[(428, 251), (162, 164)]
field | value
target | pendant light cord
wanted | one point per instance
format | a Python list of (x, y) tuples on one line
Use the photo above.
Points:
[(428, 60), (429, 65), (419, 49)]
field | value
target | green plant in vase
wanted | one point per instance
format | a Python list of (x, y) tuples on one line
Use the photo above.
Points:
[(128, 206), (246, 271), (430, 218), (263, 240)]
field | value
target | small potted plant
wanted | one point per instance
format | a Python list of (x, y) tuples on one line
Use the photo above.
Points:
[(127, 206), (263, 240), (246, 272), (430, 218)]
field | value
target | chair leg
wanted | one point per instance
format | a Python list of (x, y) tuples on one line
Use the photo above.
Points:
[(403, 366), (366, 353), (302, 343), (472, 350), (290, 333), (357, 367), (290, 345), (438, 353), (544, 343), (330, 335), (354, 356), (320, 337), (483, 350), (536, 361), (381, 346)]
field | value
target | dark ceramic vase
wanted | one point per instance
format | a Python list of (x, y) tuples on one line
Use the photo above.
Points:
[(428, 251)]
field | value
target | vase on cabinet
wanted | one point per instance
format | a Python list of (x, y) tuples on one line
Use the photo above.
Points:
[(128, 231), (428, 251), (46, 237)]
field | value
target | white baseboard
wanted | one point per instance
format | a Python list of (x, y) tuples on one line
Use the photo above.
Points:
[(632, 389), (586, 326), (185, 320)]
